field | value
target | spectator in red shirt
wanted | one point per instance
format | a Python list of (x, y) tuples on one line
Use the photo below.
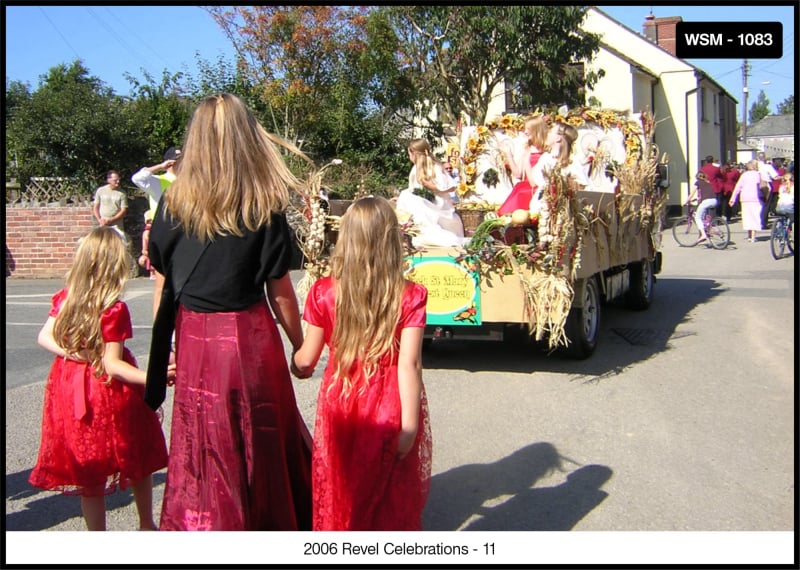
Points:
[(730, 175), (712, 171)]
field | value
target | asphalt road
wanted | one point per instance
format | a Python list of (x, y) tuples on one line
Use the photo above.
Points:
[(682, 420)]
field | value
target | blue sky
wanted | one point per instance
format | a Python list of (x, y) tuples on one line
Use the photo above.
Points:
[(112, 40)]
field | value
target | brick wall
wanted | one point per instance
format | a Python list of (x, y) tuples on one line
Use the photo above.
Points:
[(41, 240)]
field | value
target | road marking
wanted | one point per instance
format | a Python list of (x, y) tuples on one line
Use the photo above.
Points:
[(147, 327), (31, 295)]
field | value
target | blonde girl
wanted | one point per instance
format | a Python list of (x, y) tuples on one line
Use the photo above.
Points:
[(560, 139), (439, 223), (372, 443), (97, 431), (536, 129)]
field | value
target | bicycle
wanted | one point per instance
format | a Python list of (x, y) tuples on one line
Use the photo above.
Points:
[(687, 234), (781, 237)]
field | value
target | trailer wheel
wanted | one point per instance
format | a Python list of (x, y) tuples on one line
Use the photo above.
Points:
[(640, 293), (583, 323)]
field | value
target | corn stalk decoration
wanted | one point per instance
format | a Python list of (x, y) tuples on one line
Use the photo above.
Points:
[(310, 230)]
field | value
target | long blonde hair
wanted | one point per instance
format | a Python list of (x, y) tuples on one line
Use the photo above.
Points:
[(367, 268), (230, 171), (569, 135), (423, 160), (94, 283), (538, 128)]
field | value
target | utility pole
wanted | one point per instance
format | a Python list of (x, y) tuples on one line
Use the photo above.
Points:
[(745, 73)]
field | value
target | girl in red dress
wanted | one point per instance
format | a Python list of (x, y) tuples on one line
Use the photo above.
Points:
[(371, 461), (536, 129), (97, 431)]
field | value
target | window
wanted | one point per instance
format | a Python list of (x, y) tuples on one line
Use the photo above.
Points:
[(717, 113), (702, 103)]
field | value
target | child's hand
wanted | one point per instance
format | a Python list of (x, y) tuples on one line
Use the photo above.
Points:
[(171, 372), (301, 374), (404, 443)]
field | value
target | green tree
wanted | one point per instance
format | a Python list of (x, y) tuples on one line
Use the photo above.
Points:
[(760, 108), (458, 56), (786, 107), (73, 126), (303, 60), (307, 68), (17, 95), (159, 112)]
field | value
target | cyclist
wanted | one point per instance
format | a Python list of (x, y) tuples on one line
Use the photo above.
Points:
[(706, 198), (785, 205)]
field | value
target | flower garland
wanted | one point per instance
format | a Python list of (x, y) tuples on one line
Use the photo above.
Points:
[(513, 123)]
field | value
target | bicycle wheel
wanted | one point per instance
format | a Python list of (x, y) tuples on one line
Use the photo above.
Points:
[(685, 232), (777, 239), (719, 235)]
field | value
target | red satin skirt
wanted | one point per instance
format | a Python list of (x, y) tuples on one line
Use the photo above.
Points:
[(520, 198), (237, 460)]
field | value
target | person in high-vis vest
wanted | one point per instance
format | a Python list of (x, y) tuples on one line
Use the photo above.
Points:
[(155, 185)]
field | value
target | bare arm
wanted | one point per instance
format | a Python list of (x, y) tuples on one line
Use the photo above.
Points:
[(439, 176), (118, 216), (305, 359), (282, 299), (46, 339), (96, 211), (157, 289), (117, 368), (409, 379)]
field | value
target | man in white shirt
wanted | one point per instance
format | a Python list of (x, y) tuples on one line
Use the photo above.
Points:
[(155, 185), (768, 174)]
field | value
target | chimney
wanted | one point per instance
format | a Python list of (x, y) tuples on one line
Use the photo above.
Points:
[(661, 31)]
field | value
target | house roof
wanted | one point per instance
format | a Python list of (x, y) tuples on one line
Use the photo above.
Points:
[(698, 71), (772, 126)]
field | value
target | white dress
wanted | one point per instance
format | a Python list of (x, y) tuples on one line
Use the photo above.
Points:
[(438, 222)]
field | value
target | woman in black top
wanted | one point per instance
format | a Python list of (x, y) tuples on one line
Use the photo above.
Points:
[(238, 455)]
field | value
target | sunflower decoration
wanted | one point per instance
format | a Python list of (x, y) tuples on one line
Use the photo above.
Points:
[(476, 145)]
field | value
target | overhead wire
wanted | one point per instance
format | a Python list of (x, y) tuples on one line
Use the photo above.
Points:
[(136, 36), (59, 32), (112, 31)]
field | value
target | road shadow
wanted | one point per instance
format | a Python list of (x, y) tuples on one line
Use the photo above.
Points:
[(626, 337), (46, 509), (458, 496)]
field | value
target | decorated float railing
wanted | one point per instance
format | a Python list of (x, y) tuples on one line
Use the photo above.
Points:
[(523, 268)]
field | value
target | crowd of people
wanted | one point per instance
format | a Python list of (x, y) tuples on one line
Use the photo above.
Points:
[(217, 241), (750, 191)]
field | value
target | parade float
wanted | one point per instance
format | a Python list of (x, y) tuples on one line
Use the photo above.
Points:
[(546, 273)]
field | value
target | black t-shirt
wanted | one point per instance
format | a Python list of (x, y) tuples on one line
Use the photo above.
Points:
[(232, 271)]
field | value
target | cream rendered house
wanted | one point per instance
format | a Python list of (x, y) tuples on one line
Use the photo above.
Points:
[(695, 116)]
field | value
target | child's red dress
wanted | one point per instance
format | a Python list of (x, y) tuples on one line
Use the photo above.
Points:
[(357, 481), (94, 436), (521, 194)]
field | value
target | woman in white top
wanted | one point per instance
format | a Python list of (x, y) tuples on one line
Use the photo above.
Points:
[(438, 221)]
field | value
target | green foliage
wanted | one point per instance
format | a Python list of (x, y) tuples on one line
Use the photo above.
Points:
[(71, 126), (760, 108), (458, 55), (786, 107), (344, 82), (159, 112)]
